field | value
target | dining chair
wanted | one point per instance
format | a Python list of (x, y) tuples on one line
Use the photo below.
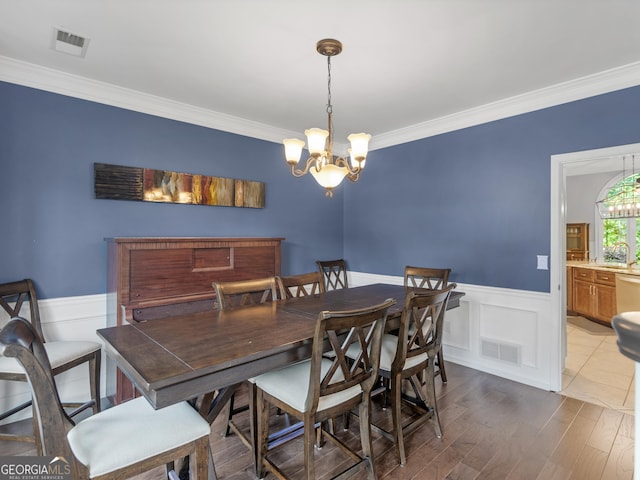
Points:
[(119, 442), (432, 279), (319, 389), (423, 277), (235, 294), (408, 357), (245, 292), (293, 286), (334, 273), (63, 355)]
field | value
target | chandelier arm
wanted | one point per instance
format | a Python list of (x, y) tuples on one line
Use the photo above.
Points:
[(343, 162), (296, 172)]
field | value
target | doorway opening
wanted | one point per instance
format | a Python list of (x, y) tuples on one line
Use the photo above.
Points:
[(563, 166)]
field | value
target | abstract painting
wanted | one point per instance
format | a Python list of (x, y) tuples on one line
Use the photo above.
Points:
[(117, 182)]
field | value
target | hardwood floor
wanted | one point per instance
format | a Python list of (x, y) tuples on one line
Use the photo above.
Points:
[(493, 429)]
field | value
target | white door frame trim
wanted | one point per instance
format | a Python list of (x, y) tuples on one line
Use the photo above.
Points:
[(560, 165)]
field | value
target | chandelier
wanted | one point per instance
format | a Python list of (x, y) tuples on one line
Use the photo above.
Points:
[(329, 171), (623, 199)]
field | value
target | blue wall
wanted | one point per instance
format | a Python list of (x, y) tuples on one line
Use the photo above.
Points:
[(53, 228), (477, 200)]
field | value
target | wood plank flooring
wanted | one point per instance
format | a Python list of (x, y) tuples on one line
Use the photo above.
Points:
[(493, 429)]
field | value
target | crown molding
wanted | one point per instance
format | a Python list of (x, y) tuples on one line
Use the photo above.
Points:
[(43, 78), (578, 89)]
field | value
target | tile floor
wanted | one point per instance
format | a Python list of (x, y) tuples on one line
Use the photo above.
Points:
[(595, 371)]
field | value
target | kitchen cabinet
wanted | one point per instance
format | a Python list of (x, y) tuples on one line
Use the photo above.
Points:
[(569, 289), (577, 241), (594, 294)]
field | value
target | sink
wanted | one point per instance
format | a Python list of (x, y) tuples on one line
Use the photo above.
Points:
[(620, 268)]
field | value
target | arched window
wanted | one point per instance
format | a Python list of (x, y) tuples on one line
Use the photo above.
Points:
[(613, 232)]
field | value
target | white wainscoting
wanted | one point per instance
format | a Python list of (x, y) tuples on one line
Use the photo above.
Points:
[(505, 332), (509, 333), (69, 318)]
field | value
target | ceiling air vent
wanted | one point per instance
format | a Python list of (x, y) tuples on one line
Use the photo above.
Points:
[(67, 42)]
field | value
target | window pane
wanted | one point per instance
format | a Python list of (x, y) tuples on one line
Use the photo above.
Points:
[(615, 230)]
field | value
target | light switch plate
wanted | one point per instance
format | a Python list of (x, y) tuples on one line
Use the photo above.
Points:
[(543, 262)]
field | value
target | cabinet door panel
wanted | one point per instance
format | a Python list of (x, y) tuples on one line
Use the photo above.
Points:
[(605, 299), (582, 298)]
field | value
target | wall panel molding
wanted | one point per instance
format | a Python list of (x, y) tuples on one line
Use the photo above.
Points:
[(68, 318), (504, 316), (484, 313)]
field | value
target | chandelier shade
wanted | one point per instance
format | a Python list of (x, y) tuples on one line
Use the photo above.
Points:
[(327, 169), (329, 175)]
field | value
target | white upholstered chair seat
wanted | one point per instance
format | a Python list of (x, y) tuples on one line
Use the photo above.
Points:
[(59, 353), (131, 432), (291, 385)]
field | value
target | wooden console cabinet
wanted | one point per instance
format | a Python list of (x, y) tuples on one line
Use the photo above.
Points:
[(594, 294), (151, 278)]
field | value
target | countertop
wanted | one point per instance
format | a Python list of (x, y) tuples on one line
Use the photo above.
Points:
[(635, 270)]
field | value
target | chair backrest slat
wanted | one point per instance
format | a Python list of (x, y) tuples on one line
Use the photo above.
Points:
[(14, 296), (245, 292), (430, 278), (301, 285), (334, 273)]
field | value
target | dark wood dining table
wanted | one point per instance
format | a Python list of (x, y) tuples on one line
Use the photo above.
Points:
[(193, 355), (180, 358)]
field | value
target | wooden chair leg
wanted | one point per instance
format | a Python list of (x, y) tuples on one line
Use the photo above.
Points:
[(36, 433), (319, 437), (431, 398), (212, 467), (199, 461), (263, 434), (227, 428), (309, 443), (443, 373), (94, 380), (396, 413), (365, 437)]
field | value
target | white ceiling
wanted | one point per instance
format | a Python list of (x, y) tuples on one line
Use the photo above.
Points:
[(405, 62)]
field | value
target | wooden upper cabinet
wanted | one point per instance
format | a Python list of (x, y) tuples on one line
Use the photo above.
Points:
[(577, 241)]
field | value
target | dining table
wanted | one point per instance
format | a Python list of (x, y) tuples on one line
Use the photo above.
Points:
[(184, 357)]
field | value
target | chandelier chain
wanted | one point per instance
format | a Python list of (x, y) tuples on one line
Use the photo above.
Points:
[(329, 114), (329, 106)]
